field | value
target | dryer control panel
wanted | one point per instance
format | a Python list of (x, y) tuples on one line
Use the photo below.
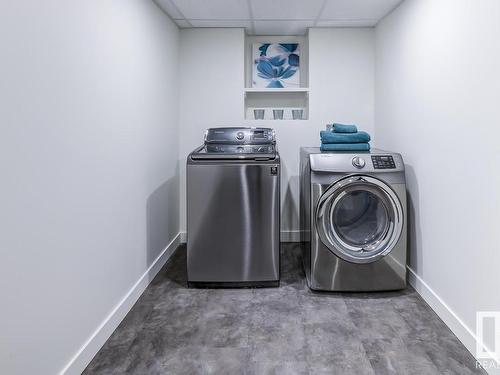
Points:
[(383, 162), (375, 161)]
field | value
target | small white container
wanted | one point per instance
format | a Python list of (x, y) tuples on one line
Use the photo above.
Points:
[(258, 113), (278, 114)]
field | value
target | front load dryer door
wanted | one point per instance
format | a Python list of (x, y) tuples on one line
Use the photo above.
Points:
[(359, 218)]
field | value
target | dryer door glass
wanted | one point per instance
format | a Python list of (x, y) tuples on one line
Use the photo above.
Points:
[(359, 218)]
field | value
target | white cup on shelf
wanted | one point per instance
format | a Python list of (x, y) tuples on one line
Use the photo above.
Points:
[(259, 113), (278, 113), (298, 114)]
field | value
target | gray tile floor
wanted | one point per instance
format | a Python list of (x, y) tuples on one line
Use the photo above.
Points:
[(286, 330)]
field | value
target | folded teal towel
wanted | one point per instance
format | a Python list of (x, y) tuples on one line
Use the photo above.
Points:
[(332, 137), (342, 128), (345, 147)]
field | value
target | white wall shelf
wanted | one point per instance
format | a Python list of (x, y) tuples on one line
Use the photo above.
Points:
[(283, 90), (270, 99)]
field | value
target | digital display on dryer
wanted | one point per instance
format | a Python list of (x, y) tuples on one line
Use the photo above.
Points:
[(383, 162)]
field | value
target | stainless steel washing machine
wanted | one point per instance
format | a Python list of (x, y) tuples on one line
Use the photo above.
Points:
[(353, 220), (233, 209)]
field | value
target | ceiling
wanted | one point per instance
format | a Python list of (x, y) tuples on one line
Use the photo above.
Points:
[(277, 17)]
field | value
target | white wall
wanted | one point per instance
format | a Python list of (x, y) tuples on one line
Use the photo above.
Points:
[(437, 100), (341, 80), (88, 161), (211, 88)]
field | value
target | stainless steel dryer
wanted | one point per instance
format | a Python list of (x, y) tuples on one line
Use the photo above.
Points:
[(233, 209), (353, 220)]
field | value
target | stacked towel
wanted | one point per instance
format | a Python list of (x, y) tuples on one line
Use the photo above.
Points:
[(341, 128), (332, 137), (345, 147), (342, 137)]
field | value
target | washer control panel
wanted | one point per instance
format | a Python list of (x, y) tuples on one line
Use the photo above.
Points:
[(236, 135), (383, 162)]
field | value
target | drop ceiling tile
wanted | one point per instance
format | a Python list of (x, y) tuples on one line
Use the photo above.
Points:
[(214, 9), (183, 24), (222, 23), (282, 27), (170, 8), (286, 9), (357, 9), (346, 23)]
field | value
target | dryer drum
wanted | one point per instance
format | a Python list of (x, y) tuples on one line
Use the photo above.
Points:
[(359, 218)]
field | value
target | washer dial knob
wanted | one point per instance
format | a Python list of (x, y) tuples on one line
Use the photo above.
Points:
[(358, 162), (240, 136)]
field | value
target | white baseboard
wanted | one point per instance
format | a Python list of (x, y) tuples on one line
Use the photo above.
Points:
[(83, 357), (290, 236), (464, 333), (183, 237), (286, 236)]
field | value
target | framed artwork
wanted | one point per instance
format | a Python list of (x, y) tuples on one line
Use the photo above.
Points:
[(276, 65)]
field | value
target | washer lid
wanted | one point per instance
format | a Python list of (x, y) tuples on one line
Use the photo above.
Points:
[(359, 218)]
